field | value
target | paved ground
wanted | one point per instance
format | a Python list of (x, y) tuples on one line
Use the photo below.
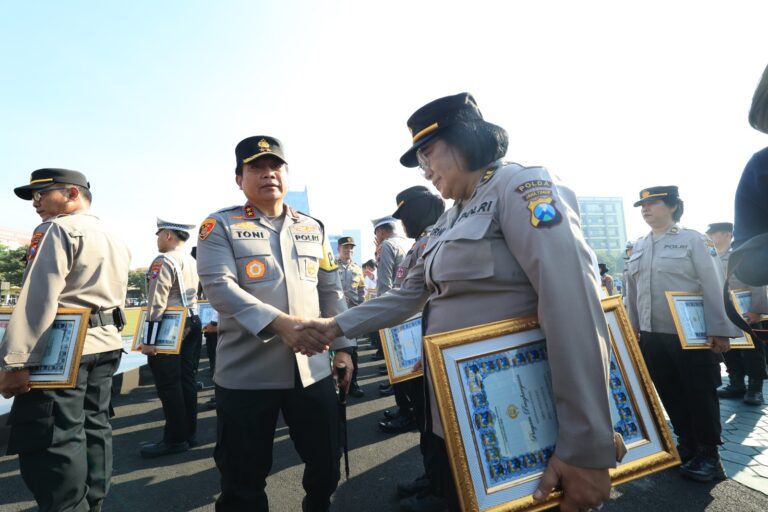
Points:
[(189, 481)]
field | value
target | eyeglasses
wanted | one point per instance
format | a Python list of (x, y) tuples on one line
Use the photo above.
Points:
[(40, 193), (423, 162)]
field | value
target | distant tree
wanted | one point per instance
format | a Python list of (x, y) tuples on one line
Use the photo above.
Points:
[(137, 279), (12, 264)]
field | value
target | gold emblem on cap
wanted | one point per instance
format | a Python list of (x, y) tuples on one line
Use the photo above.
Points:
[(645, 194), (263, 145)]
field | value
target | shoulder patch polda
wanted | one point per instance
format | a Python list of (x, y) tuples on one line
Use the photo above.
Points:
[(206, 227)]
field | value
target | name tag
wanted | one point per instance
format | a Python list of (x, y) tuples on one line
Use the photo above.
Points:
[(250, 234)]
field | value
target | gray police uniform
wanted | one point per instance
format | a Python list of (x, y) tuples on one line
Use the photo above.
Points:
[(686, 380), (173, 282), (513, 249), (352, 282), (251, 272), (747, 362), (393, 251), (64, 447)]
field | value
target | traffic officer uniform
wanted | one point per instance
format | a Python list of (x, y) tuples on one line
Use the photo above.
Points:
[(173, 282), (353, 284), (393, 251), (681, 260), (252, 271), (63, 436), (748, 362)]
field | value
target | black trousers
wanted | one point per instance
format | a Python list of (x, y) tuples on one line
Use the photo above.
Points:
[(176, 384), (64, 439), (211, 340), (407, 393), (749, 362), (687, 382), (245, 435), (438, 469)]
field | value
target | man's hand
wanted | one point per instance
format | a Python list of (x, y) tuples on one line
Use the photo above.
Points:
[(719, 344), (343, 357), (14, 383), (753, 318), (291, 331), (582, 487), (148, 350), (325, 327)]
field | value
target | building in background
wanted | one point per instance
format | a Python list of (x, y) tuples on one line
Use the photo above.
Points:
[(298, 200), (13, 239), (602, 222)]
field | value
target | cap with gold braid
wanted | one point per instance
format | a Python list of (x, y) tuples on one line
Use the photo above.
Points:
[(408, 195), (654, 193), (43, 178), (258, 146)]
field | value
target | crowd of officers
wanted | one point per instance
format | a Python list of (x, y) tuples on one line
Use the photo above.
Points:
[(283, 302)]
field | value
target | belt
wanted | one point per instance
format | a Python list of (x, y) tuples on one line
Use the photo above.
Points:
[(102, 318)]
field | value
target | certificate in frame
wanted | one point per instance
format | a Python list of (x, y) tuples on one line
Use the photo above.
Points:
[(402, 347), (688, 314), (170, 334), (205, 312), (494, 392), (64, 348)]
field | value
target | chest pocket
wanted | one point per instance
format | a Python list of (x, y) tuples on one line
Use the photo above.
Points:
[(674, 262), (634, 262), (255, 262), (309, 255), (463, 252)]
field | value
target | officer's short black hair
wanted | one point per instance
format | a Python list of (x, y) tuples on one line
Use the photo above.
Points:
[(370, 264), (479, 143), (86, 193), (672, 202), (181, 235)]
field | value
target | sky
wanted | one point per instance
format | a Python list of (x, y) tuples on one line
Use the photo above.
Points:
[(149, 99)]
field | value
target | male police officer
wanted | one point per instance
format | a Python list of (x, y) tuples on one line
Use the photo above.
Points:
[(172, 282), (262, 265), (63, 436), (353, 284)]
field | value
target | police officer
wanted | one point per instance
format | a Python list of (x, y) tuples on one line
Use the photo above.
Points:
[(353, 284), (172, 281), (262, 266), (673, 258), (748, 362), (510, 246), (63, 436)]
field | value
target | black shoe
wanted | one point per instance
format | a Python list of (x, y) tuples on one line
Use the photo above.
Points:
[(192, 441), (387, 391), (414, 487), (686, 453), (382, 369), (355, 390), (211, 404), (398, 425), (152, 450), (753, 398), (705, 466), (423, 503), (378, 356), (732, 391), (391, 414)]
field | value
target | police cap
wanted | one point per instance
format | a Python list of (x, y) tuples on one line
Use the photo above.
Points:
[(654, 193), (42, 178), (720, 227), (250, 149), (346, 240), (408, 195)]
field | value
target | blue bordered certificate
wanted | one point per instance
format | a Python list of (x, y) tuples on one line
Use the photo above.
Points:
[(688, 314), (401, 345), (205, 312), (170, 334), (493, 388), (64, 343)]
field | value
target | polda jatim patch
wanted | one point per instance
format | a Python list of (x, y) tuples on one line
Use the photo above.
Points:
[(32, 251), (206, 227), (154, 270), (255, 269)]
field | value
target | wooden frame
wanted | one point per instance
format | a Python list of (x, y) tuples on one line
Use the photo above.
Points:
[(687, 310), (497, 462), (402, 347), (171, 331), (66, 339)]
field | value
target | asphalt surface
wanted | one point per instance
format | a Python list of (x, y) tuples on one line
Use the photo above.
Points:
[(189, 481)]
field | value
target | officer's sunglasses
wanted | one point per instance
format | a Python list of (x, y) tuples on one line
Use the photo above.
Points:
[(38, 195)]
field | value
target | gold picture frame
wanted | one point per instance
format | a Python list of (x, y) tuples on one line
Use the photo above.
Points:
[(66, 339), (170, 334), (687, 310), (490, 475), (402, 348)]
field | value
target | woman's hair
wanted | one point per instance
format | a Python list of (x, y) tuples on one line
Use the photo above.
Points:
[(420, 213), (678, 213), (370, 264), (758, 113), (480, 143)]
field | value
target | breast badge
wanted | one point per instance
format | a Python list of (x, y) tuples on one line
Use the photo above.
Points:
[(255, 269)]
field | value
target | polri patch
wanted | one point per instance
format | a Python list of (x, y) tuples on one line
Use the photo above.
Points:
[(154, 270), (543, 213), (206, 227), (32, 251)]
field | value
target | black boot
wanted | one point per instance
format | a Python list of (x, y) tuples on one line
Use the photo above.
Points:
[(754, 394), (705, 466), (686, 450), (735, 389), (416, 486)]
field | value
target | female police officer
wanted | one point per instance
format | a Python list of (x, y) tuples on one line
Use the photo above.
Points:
[(510, 246), (671, 258)]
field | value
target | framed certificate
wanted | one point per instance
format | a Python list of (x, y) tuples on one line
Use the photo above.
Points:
[(402, 349), (170, 334), (494, 392), (688, 314), (205, 312), (64, 347)]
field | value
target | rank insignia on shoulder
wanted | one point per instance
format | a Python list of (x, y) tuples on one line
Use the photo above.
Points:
[(250, 211), (206, 227), (488, 174), (32, 251), (543, 212)]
